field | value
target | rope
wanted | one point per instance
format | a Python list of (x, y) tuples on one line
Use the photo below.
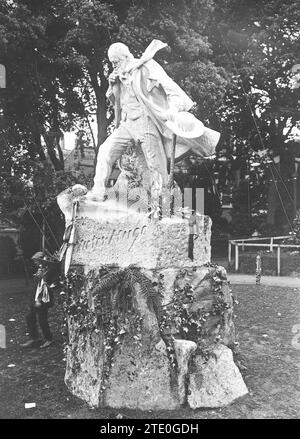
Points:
[(278, 174), (38, 226), (284, 210), (46, 222), (281, 179)]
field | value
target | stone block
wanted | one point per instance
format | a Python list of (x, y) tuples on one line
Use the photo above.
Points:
[(151, 244), (217, 382), (141, 379)]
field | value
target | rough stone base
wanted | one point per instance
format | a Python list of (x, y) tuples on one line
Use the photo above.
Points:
[(141, 380), (140, 376), (217, 382)]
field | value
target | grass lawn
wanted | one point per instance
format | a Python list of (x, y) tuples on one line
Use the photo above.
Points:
[(264, 322)]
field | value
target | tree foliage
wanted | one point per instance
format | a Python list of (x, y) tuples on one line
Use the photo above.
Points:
[(39, 101), (183, 26), (257, 42), (233, 57)]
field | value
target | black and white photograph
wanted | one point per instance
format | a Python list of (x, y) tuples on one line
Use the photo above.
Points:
[(149, 213)]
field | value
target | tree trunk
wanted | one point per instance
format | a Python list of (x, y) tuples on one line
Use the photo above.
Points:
[(52, 146), (100, 90)]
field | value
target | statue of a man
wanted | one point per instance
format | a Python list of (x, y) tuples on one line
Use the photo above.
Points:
[(145, 98)]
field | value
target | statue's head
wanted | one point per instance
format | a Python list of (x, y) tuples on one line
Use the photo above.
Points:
[(119, 55)]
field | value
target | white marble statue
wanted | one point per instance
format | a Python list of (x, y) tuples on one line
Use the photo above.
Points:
[(149, 108)]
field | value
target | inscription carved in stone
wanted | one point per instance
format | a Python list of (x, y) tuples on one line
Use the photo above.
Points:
[(147, 244), (127, 237)]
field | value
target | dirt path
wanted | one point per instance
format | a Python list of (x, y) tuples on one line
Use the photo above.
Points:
[(265, 319)]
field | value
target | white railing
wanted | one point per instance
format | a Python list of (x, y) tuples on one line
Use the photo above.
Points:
[(251, 242)]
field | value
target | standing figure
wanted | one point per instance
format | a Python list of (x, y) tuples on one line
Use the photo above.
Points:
[(145, 98), (47, 276)]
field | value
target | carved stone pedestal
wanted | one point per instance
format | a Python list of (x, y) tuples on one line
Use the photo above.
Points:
[(150, 320)]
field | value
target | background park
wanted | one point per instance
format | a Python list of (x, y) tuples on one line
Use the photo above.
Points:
[(238, 60)]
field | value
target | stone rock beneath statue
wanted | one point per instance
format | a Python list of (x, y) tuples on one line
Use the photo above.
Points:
[(140, 375), (142, 379), (217, 382)]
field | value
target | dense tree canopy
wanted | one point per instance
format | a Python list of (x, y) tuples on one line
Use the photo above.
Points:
[(258, 43), (233, 57), (183, 26)]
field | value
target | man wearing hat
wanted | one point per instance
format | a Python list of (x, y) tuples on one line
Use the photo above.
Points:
[(149, 108), (47, 274)]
